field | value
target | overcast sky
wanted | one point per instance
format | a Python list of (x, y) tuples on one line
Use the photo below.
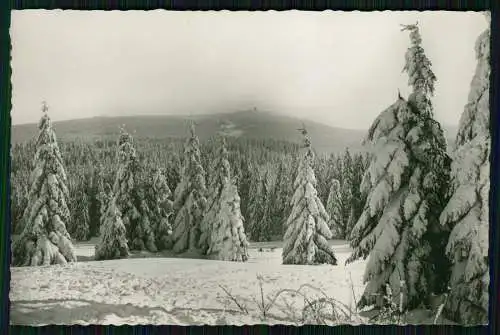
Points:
[(339, 68)]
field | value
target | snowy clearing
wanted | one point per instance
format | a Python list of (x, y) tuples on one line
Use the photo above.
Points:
[(177, 291)]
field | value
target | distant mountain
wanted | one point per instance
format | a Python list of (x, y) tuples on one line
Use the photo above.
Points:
[(249, 124)]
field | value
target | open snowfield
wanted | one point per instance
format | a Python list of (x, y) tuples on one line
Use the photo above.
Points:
[(177, 291)]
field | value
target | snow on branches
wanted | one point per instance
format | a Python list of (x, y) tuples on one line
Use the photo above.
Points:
[(189, 198), (130, 197), (44, 239), (420, 75), (221, 171), (406, 184), (307, 232), (222, 226), (161, 208), (467, 212), (113, 241)]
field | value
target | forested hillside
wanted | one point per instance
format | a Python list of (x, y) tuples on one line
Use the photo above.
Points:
[(250, 124), (264, 171)]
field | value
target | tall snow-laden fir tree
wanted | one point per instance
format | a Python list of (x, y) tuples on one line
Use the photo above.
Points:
[(406, 184), (221, 173), (306, 232), (113, 240), (228, 241), (223, 222), (130, 197), (467, 210), (189, 199), (44, 239), (334, 210), (161, 208)]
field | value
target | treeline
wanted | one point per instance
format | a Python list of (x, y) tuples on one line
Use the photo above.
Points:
[(264, 171)]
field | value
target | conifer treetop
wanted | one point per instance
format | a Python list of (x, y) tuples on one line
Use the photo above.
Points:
[(125, 146), (46, 135), (420, 75), (45, 107), (309, 153), (194, 168), (125, 136), (224, 160), (192, 142), (221, 170)]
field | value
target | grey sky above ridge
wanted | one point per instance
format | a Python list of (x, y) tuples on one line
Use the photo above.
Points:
[(337, 68)]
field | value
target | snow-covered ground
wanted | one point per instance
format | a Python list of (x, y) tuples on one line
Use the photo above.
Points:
[(176, 290)]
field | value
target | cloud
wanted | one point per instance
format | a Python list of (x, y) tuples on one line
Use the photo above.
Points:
[(334, 67)]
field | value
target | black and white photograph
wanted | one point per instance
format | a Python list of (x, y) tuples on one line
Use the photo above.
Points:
[(242, 168)]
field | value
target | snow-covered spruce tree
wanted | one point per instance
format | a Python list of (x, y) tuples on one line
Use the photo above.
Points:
[(44, 239), (189, 199), (161, 208), (228, 240), (406, 184), (467, 210), (306, 232), (334, 210), (130, 197), (223, 222), (113, 240), (220, 176)]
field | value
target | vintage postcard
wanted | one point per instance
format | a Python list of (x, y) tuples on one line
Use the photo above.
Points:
[(230, 168)]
